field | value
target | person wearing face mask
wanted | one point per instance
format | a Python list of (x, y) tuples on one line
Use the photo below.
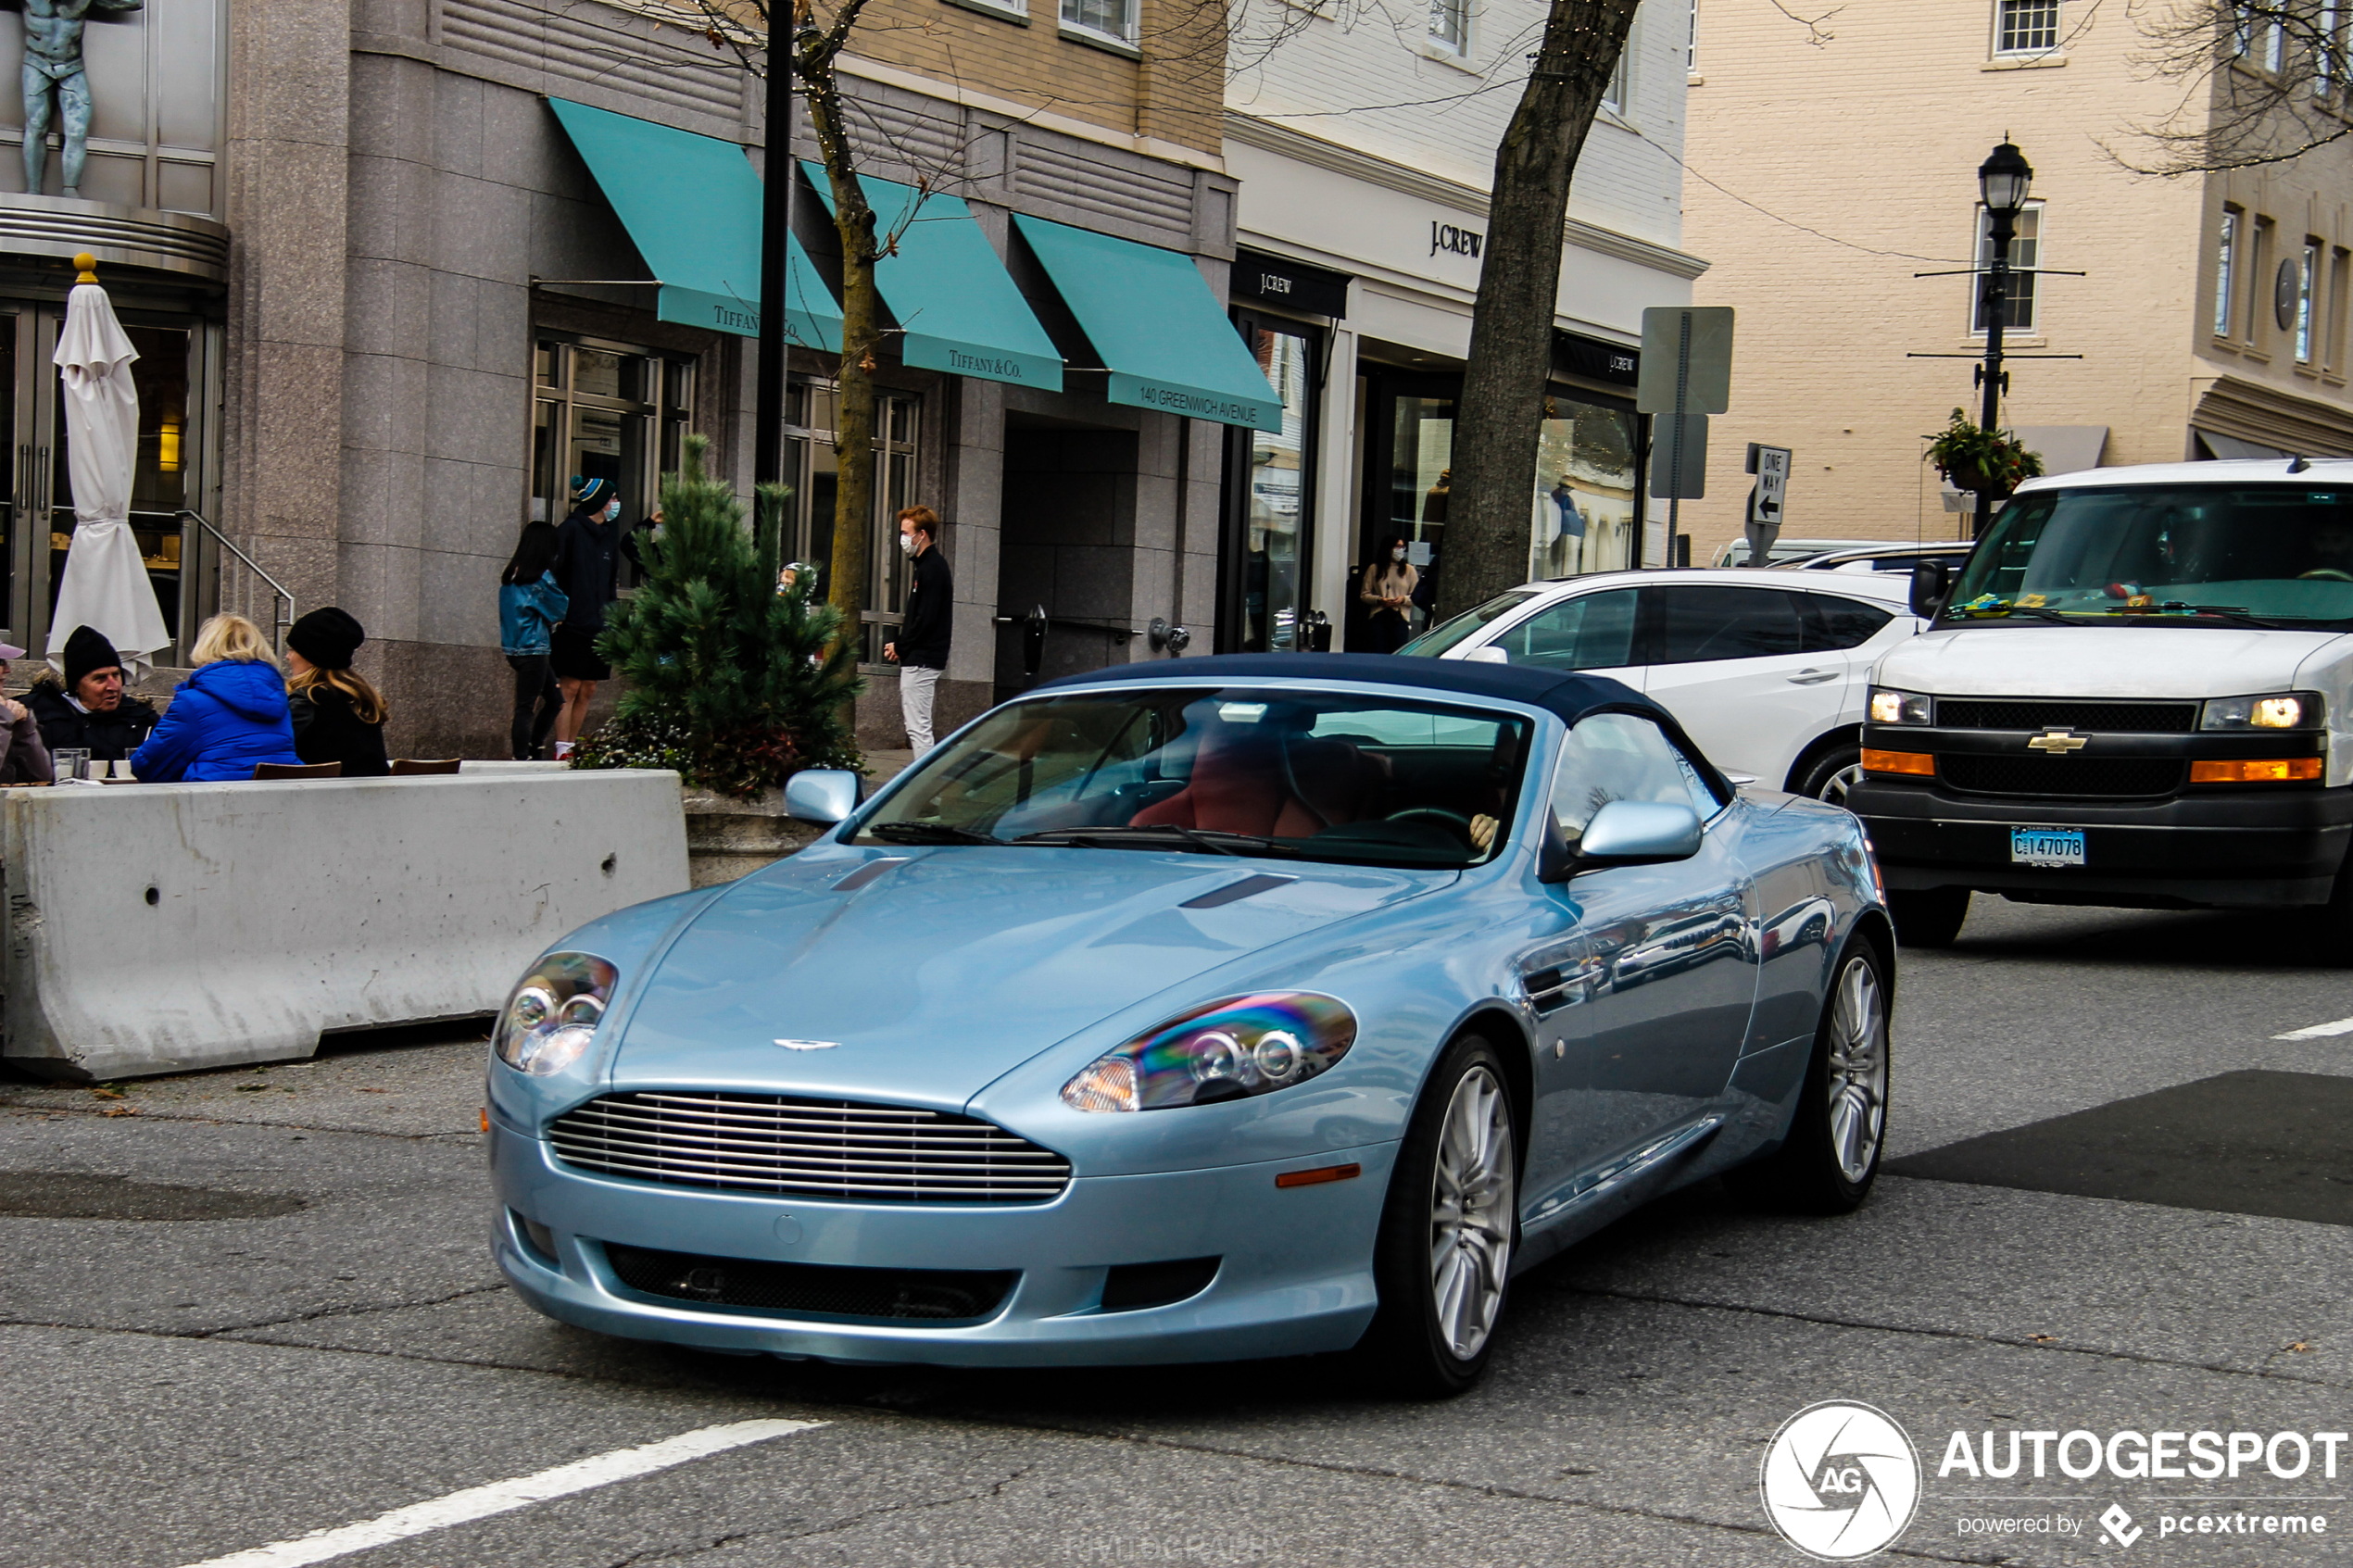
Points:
[(589, 572), (1388, 586), (920, 648)]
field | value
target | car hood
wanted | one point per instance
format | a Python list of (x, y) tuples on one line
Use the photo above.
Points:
[(2125, 661), (956, 965)]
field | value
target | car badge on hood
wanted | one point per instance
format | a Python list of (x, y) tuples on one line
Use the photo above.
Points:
[(808, 1045)]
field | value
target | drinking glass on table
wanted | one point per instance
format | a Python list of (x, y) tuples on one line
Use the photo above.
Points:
[(72, 762)]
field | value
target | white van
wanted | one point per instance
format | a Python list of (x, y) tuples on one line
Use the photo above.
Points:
[(2137, 691)]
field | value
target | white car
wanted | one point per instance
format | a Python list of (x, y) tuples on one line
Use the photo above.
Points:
[(1768, 669)]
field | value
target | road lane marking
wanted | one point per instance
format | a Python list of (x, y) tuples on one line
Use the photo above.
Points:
[(2318, 1031), (504, 1497)]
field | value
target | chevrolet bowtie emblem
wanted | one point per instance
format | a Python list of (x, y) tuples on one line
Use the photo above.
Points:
[(2058, 743)]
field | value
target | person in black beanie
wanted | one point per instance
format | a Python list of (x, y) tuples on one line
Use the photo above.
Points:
[(88, 710), (338, 714)]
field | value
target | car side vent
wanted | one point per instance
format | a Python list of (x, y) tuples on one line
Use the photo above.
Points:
[(1549, 990), (1130, 1287)]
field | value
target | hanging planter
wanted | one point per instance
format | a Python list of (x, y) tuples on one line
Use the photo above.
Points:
[(1985, 462)]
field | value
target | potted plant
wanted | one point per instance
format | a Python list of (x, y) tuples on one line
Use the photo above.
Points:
[(733, 682), (1986, 461)]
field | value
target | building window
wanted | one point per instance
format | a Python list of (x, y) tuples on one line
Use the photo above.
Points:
[(2275, 46), (2258, 287), (1616, 96), (609, 411), (2333, 341), (2324, 54), (813, 471), (2225, 272), (1114, 19), (1691, 41), (1450, 24), (1586, 516), (2026, 27), (2308, 277), (2026, 257)]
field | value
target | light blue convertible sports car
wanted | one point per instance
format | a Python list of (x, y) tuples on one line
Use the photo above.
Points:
[(1198, 1010)]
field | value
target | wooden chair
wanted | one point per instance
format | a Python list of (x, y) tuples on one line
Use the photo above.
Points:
[(417, 767), (298, 770)]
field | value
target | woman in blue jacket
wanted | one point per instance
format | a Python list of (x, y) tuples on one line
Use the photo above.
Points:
[(227, 717), (529, 606)]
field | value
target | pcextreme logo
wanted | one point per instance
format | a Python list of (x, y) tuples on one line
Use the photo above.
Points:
[(1840, 1480)]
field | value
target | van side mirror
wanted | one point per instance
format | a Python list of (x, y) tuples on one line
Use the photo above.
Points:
[(821, 794), (1931, 581)]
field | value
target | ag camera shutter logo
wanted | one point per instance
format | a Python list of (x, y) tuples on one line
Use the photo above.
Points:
[(1840, 1481)]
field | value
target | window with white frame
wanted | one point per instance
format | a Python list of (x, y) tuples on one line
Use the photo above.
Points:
[(1450, 24), (1691, 41), (2026, 258), (2226, 257), (1113, 19), (2308, 277), (2026, 27), (1621, 79), (2324, 70)]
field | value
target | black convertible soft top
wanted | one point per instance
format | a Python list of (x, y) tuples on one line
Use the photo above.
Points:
[(1570, 696)]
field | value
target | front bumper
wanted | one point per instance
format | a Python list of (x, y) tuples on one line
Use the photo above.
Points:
[(1296, 1276), (2251, 847)]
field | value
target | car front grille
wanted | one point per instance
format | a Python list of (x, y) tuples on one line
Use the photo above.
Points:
[(2113, 717), (2115, 778), (808, 1148), (933, 1296)]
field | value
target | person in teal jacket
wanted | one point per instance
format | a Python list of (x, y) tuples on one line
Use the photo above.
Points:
[(227, 717), (529, 606)]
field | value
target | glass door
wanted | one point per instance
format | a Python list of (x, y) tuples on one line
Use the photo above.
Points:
[(812, 470), (605, 410), (1270, 496)]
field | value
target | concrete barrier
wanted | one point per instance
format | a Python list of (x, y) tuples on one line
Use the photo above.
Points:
[(157, 928)]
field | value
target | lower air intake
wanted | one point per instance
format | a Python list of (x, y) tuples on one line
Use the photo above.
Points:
[(928, 1295)]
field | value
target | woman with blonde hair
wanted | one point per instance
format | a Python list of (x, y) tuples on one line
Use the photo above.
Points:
[(228, 717), (338, 715)]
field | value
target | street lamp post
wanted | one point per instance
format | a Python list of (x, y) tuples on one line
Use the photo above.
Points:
[(775, 227), (2001, 183)]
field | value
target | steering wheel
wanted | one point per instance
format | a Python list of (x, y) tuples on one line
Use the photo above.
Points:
[(1440, 812), (2328, 574)]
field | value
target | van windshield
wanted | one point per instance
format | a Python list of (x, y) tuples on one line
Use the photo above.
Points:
[(2213, 554)]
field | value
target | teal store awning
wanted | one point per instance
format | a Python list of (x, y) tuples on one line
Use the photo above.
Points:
[(692, 205), (1160, 331), (957, 306)]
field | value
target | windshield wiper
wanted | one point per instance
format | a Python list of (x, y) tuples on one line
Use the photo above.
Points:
[(2236, 614), (2037, 612), (1214, 841), (930, 833)]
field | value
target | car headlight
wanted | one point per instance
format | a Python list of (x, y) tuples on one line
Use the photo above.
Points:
[(2280, 711), (1892, 706), (1226, 1051), (554, 1013)]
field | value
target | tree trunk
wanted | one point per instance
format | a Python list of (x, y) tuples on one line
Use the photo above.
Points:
[(1493, 488), (860, 336)]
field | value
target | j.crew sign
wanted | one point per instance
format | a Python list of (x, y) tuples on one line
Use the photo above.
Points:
[(1447, 237)]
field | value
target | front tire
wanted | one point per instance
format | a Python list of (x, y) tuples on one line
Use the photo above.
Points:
[(1442, 1260), (1929, 917), (1831, 1156), (1831, 775)]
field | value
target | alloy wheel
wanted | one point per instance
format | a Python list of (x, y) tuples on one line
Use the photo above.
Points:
[(1834, 788), (1858, 1075), (1473, 1190)]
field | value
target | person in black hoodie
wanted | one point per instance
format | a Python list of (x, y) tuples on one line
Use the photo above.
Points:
[(89, 709), (921, 647), (588, 548), (338, 714)]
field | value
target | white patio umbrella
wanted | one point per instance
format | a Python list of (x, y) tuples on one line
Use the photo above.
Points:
[(105, 585)]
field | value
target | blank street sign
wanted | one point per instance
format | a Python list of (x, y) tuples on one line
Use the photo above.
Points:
[(1691, 483), (1708, 377)]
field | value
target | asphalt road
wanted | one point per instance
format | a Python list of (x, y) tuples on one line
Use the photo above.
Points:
[(200, 1367)]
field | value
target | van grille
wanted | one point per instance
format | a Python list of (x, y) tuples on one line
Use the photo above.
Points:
[(2062, 777), (814, 1148), (2111, 718)]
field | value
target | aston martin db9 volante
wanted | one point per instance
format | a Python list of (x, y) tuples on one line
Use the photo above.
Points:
[(1198, 1010)]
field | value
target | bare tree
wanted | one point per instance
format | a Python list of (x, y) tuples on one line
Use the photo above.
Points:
[(2263, 81), (1511, 346)]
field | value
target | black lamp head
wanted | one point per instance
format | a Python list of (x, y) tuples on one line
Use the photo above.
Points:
[(2003, 180)]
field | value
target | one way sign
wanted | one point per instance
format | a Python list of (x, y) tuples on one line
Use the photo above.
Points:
[(1770, 465)]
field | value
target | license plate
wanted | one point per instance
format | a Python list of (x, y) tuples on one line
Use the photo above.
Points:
[(2046, 846)]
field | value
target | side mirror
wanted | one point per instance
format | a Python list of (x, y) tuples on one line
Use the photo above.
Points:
[(821, 794), (1491, 654), (1929, 584), (1623, 832)]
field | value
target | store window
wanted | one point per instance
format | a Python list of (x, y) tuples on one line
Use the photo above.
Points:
[(1585, 517), (1270, 500), (606, 410), (813, 470)]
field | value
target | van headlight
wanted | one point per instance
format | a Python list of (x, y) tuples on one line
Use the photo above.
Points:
[(2281, 710), (553, 1014), (1227, 1051), (1892, 706)]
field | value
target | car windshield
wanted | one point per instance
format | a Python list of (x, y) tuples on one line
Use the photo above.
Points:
[(2222, 554), (1447, 632), (1222, 770)]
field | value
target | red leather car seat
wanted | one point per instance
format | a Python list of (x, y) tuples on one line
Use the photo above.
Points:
[(1239, 785)]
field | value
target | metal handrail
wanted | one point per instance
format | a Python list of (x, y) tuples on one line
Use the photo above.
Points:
[(282, 619)]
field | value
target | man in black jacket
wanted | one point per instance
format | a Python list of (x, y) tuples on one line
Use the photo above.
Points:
[(920, 649), (89, 710)]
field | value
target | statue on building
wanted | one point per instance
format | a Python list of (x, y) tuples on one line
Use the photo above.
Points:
[(52, 68)]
